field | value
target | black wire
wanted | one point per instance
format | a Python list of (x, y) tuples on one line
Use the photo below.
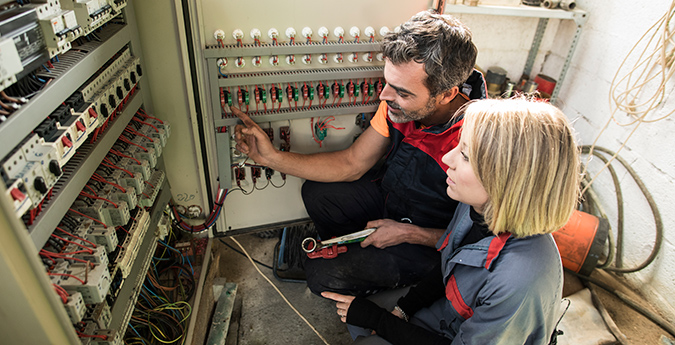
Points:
[(254, 260)]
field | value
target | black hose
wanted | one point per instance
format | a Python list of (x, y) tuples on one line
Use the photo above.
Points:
[(652, 205)]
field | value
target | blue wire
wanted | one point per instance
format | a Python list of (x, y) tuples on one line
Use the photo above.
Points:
[(150, 291), (192, 269), (135, 331), (145, 299), (46, 69)]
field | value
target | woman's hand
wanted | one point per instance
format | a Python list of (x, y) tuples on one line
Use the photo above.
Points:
[(343, 303)]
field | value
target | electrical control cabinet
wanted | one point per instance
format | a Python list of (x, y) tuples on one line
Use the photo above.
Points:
[(83, 184)]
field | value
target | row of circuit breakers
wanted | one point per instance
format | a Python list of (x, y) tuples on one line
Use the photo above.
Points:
[(35, 165), (32, 34)]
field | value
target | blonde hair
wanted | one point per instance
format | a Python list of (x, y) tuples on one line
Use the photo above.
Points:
[(525, 156)]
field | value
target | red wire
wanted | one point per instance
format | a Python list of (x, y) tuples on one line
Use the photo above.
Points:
[(112, 165), (73, 242), (129, 142), (133, 131), (59, 256), (100, 336), (66, 275), (117, 153), (99, 178), (151, 185), (91, 189), (98, 197), (94, 219), (145, 123), (76, 237), (64, 299), (148, 116)]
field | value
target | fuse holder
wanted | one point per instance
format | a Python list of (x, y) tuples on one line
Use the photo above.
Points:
[(292, 93), (338, 90), (80, 126), (263, 95), (17, 195), (66, 142)]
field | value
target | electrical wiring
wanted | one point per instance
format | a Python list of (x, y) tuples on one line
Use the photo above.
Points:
[(240, 253), (643, 89), (145, 123), (100, 336), (135, 132), (99, 178), (61, 292), (162, 310), (61, 256), (75, 243), (87, 195), (211, 219), (76, 237), (107, 163), (279, 291), (67, 275), (142, 112), (84, 215)]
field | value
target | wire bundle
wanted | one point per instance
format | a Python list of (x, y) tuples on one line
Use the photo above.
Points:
[(210, 221), (163, 310)]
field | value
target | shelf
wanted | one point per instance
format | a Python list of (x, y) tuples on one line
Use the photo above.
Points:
[(518, 11), (76, 176), (126, 300), (31, 114)]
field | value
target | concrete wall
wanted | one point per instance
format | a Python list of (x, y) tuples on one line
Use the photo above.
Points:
[(613, 28), (610, 33)]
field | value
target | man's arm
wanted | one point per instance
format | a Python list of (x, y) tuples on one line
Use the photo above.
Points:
[(345, 165), (390, 233)]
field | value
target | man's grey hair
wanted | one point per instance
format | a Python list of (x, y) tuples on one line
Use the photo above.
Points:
[(440, 42)]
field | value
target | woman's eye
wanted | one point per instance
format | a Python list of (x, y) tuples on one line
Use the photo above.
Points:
[(464, 156)]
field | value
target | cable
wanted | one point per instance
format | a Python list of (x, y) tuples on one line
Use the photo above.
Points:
[(279, 292), (630, 302), (652, 71), (240, 253), (652, 204)]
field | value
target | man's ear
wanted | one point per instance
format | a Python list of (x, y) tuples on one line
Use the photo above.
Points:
[(447, 96)]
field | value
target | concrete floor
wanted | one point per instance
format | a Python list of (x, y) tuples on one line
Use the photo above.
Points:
[(267, 319)]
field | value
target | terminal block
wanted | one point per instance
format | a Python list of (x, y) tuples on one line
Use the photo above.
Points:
[(255, 173), (92, 283), (285, 133), (75, 307), (270, 133), (152, 188)]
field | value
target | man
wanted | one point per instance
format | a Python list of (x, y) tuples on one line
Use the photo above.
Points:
[(428, 70)]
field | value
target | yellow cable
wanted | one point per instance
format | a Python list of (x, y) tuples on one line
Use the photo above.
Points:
[(656, 69), (279, 292)]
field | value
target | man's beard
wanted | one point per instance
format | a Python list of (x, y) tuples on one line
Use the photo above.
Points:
[(411, 115)]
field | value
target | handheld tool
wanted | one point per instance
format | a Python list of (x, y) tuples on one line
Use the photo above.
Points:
[(309, 244)]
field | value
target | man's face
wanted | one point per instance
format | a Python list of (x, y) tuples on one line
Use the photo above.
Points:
[(405, 92)]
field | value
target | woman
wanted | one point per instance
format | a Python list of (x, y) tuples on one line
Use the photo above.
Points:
[(515, 173)]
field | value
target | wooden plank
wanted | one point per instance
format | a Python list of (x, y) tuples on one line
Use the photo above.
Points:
[(222, 315)]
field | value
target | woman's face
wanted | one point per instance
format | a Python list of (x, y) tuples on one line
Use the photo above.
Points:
[(463, 184)]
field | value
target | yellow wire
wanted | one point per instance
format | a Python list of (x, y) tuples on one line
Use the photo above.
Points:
[(278, 291), (656, 68)]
